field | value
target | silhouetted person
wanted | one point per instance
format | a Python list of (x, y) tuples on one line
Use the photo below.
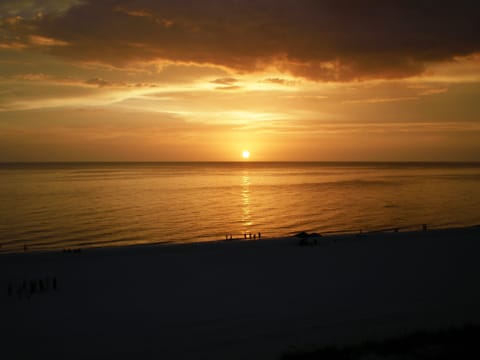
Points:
[(259, 235), (245, 236), (254, 236), (424, 227), (24, 248), (226, 236), (22, 289), (33, 287), (250, 236)]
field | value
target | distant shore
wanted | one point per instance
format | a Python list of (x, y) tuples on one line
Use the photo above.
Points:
[(237, 299)]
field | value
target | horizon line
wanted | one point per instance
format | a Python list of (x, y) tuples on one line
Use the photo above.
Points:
[(240, 161)]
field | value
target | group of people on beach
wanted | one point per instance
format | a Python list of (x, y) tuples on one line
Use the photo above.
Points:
[(250, 235), (28, 288), (246, 236)]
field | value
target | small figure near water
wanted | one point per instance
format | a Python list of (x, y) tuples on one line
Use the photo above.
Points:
[(250, 236)]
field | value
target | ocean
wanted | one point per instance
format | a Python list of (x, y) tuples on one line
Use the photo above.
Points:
[(54, 206)]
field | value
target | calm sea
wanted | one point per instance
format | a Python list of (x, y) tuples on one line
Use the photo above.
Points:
[(56, 206)]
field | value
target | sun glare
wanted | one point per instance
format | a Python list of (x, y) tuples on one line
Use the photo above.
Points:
[(246, 154)]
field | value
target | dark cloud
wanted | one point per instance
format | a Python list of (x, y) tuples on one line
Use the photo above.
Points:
[(334, 40), (119, 84), (98, 82), (224, 81), (227, 83), (278, 81), (29, 8)]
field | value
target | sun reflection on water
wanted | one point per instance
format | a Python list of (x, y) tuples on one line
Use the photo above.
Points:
[(246, 207)]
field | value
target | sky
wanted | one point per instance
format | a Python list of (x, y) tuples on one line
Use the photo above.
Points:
[(191, 80)]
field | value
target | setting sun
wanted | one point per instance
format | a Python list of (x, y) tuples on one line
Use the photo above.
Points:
[(246, 154)]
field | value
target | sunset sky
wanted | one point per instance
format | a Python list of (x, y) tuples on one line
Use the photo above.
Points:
[(204, 80)]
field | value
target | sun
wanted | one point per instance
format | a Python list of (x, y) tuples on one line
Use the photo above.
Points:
[(246, 154)]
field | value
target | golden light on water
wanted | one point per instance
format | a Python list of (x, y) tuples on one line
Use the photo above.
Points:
[(246, 154)]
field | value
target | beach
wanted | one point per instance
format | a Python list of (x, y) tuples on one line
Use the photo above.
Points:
[(236, 299)]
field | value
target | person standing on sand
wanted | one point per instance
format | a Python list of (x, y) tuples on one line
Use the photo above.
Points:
[(259, 235)]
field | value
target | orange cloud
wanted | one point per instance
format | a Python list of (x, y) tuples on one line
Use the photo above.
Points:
[(377, 100), (12, 45), (45, 41)]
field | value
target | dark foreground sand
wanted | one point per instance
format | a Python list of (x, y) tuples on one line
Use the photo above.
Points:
[(236, 300)]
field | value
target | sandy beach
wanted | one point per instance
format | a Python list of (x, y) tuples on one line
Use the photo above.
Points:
[(236, 299)]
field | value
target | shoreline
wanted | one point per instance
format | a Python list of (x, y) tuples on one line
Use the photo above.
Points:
[(327, 235)]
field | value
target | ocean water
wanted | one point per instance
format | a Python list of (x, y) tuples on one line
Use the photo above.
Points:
[(69, 205)]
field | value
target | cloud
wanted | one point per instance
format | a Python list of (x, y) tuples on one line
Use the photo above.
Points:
[(305, 97), (99, 82), (29, 8), (279, 81), (428, 90), (12, 45), (44, 41), (32, 77), (225, 81), (378, 100), (231, 87), (329, 40)]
